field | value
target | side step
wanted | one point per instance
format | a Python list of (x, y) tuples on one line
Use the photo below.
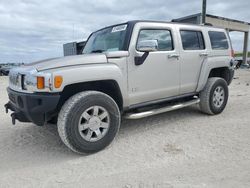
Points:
[(161, 110)]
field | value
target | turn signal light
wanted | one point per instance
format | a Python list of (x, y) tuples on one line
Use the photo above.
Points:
[(40, 82), (58, 81)]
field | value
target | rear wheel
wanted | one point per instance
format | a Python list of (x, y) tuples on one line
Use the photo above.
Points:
[(214, 96), (88, 121)]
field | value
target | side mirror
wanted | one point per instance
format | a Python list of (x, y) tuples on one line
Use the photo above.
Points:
[(147, 46)]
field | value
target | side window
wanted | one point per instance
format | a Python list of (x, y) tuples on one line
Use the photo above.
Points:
[(192, 40), (218, 40), (164, 38)]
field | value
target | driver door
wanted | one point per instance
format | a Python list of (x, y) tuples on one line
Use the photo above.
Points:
[(158, 77)]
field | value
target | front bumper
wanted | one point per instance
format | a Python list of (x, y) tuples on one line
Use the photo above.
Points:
[(38, 108)]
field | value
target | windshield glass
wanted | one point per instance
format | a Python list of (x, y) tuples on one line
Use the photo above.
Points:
[(108, 39)]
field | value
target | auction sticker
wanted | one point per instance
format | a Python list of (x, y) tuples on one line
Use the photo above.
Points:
[(119, 28)]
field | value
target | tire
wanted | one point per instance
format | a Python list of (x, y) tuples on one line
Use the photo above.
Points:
[(77, 114), (212, 99)]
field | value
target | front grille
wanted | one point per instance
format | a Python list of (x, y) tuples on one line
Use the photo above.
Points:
[(15, 81), (17, 78), (12, 79)]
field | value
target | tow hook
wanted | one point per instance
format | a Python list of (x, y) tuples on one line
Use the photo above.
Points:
[(16, 115), (7, 107), (13, 117)]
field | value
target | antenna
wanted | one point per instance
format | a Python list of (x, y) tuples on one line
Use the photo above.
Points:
[(73, 34)]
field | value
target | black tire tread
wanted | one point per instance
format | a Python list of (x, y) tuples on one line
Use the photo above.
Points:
[(65, 114), (205, 95)]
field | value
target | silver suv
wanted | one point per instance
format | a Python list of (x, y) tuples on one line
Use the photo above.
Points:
[(131, 70)]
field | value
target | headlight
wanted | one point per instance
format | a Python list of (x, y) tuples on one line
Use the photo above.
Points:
[(35, 81), (32, 81)]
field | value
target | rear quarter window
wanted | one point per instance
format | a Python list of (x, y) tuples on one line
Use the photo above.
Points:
[(218, 40)]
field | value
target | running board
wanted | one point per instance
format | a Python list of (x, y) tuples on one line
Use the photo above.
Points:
[(161, 110)]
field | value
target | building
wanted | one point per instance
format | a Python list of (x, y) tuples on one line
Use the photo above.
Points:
[(227, 23), (73, 48)]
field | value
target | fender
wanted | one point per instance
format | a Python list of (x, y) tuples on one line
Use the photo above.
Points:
[(210, 63), (96, 72)]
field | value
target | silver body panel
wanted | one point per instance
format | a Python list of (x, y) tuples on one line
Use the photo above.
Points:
[(158, 76), (68, 61)]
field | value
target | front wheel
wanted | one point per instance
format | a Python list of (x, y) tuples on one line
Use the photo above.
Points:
[(214, 96), (88, 121)]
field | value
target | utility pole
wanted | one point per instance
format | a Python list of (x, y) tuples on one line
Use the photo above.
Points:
[(204, 9)]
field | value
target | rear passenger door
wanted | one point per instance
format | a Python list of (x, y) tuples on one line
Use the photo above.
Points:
[(193, 54)]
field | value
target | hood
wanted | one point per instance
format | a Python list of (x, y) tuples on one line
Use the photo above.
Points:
[(68, 61)]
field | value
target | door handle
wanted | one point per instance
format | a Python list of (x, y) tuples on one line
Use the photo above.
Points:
[(203, 54), (173, 56)]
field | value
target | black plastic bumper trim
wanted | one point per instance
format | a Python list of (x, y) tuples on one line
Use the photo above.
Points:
[(36, 107)]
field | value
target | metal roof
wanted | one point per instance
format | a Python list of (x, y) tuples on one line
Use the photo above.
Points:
[(211, 16)]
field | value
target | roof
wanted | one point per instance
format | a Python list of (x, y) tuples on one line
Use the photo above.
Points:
[(133, 22), (227, 19), (211, 16)]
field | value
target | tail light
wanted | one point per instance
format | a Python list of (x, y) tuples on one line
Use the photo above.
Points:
[(232, 53)]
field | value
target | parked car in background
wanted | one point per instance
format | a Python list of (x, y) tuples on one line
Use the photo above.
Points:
[(5, 68), (239, 62)]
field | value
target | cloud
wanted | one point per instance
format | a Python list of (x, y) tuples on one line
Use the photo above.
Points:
[(31, 30)]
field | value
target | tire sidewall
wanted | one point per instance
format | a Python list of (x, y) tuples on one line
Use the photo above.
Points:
[(75, 113), (223, 84)]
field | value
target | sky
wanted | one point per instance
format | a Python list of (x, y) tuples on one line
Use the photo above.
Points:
[(32, 30)]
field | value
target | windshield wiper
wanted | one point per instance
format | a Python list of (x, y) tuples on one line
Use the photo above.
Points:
[(97, 51)]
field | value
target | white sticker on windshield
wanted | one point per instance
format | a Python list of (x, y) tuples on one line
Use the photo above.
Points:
[(119, 28)]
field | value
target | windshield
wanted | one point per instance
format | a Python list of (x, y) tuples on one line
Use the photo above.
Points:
[(108, 39)]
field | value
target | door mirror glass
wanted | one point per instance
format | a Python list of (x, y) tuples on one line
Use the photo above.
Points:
[(147, 46)]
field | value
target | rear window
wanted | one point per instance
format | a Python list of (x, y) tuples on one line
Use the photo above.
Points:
[(192, 40), (218, 40)]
